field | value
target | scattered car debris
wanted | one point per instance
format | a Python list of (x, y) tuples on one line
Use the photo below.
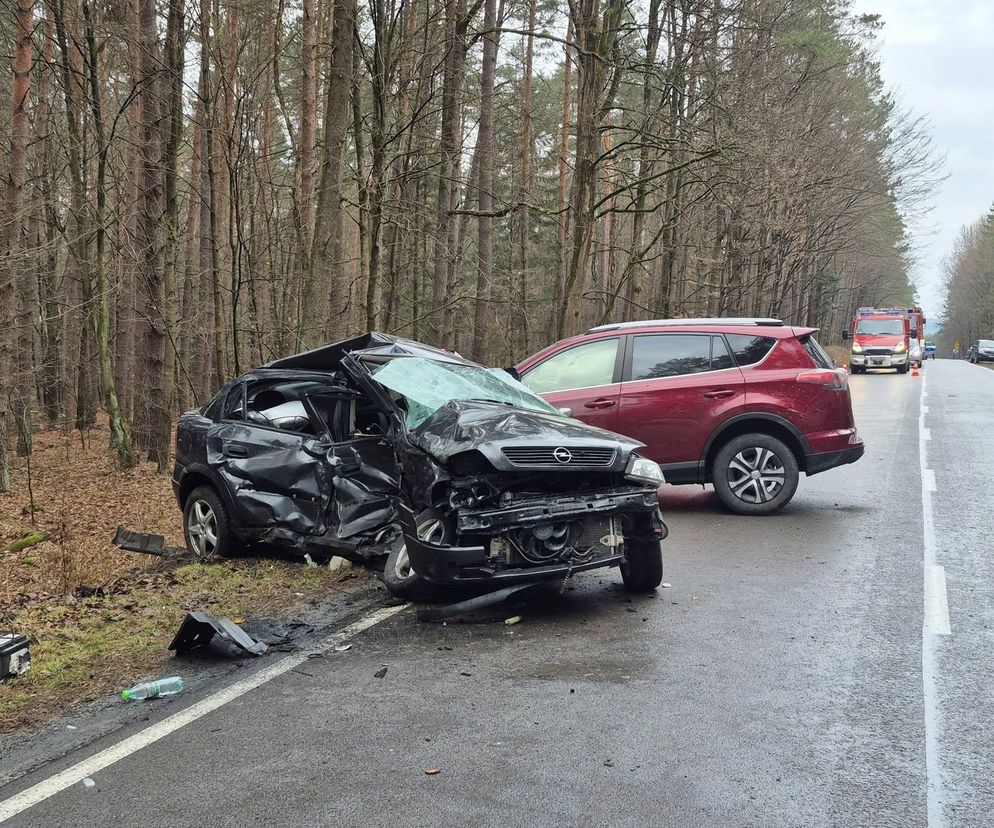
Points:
[(341, 648), (84, 591), (479, 602), (432, 771), (380, 673), (514, 619), (144, 542), (666, 585), (89, 783), (154, 689), (15, 655), (199, 628)]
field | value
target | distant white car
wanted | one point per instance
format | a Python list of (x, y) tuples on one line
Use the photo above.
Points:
[(916, 352)]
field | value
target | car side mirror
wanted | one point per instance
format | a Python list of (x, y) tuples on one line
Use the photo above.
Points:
[(846, 335)]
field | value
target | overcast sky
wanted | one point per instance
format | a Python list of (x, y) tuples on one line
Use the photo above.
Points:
[(938, 56)]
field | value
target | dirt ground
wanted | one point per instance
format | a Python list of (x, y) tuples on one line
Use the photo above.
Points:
[(83, 647)]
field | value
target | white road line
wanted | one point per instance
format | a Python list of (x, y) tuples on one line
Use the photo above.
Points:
[(92, 765), (936, 606), (926, 434), (934, 613)]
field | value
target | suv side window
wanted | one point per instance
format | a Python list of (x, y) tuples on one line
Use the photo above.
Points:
[(749, 350), (582, 366), (655, 356), (721, 357)]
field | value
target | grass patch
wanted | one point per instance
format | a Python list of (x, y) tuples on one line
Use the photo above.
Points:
[(29, 540)]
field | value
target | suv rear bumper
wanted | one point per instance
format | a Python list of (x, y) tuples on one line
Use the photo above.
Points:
[(825, 460)]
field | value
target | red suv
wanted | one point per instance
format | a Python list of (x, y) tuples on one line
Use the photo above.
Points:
[(744, 404)]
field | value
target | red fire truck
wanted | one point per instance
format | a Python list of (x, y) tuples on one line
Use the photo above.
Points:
[(882, 338)]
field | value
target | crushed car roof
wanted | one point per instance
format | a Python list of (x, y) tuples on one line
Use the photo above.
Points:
[(374, 343)]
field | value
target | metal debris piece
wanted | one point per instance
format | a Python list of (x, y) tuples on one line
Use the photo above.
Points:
[(199, 628), (15, 655), (380, 673), (514, 619), (144, 542), (479, 602)]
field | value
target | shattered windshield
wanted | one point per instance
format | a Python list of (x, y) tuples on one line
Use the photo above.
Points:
[(427, 385)]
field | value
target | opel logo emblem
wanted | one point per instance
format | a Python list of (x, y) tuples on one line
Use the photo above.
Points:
[(563, 455)]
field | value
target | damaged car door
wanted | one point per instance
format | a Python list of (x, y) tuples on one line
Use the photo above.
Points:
[(270, 451)]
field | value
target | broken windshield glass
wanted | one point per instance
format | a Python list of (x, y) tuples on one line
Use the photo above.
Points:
[(427, 385)]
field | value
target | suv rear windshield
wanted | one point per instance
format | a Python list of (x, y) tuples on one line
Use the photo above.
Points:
[(749, 350), (816, 352)]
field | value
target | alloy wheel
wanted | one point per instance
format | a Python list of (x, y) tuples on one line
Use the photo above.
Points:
[(201, 529), (432, 531), (755, 475)]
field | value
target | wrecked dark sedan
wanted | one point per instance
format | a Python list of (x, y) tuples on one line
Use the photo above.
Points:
[(412, 460)]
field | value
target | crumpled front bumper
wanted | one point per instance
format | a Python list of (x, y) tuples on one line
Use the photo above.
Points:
[(470, 565)]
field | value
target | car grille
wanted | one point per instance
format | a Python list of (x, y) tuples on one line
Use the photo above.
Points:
[(878, 351), (559, 456)]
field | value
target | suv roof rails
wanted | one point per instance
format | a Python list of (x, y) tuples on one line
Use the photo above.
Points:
[(728, 320)]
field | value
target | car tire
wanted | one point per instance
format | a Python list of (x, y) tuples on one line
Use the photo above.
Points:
[(746, 493), (398, 575), (902, 369), (642, 568), (207, 525)]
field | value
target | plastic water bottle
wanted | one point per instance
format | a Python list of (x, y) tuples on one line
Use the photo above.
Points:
[(154, 689)]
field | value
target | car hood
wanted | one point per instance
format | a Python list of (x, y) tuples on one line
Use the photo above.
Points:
[(472, 425)]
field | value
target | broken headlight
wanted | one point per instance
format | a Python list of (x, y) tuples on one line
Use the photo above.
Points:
[(643, 470)]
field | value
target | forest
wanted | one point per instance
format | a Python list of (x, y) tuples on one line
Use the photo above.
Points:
[(195, 187), (969, 275)]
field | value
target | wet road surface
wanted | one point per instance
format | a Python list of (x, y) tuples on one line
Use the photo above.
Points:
[(778, 682)]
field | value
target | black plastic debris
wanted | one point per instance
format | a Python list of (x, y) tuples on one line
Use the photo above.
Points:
[(144, 542), (15, 655), (479, 602), (199, 628), (84, 591)]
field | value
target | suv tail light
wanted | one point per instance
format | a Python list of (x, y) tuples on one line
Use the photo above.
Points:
[(836, 379)]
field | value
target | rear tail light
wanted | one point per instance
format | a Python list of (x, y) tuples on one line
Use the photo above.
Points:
[(836, 379)]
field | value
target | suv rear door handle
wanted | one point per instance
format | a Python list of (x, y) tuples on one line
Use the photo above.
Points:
[(720, 395), (234, 450), (600, 402)]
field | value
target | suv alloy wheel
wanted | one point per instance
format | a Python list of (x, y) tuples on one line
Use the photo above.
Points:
[(755, 474)]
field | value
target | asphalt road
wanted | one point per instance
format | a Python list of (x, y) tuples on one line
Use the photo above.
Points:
[(777, 682)]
